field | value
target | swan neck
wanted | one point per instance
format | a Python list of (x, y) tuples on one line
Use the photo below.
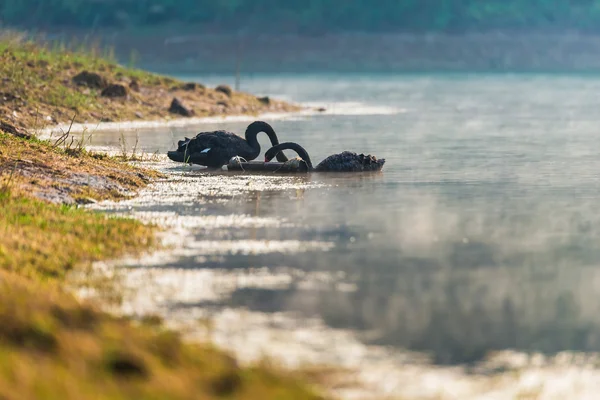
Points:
[(254, 129), (304, 156), (302, 153)]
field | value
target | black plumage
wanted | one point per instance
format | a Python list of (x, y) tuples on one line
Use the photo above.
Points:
[(215, 149), (346, 161)]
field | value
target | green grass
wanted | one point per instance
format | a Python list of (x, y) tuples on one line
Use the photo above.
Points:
[(53, 346), (41, 79), (43, 240)]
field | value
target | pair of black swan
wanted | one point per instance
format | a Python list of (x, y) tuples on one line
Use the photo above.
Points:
[(217, 148)]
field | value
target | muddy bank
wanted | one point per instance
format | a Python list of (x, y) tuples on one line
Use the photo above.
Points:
[(63, 174)]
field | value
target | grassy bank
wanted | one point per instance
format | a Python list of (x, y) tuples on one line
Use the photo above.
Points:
[(42, 86), (66, 173), (53, 346)]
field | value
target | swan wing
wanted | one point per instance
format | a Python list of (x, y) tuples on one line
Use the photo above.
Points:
[(206, 142)]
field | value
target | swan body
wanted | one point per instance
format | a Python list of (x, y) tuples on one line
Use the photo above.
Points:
[(346, 161), (215, 149)]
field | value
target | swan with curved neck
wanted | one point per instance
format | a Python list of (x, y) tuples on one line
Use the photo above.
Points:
[(215, 149), (346, 161)]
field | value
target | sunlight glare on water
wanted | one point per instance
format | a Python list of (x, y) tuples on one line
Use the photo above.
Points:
[(481, 234)]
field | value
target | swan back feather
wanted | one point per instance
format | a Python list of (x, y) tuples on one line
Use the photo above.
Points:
[(349, 161)]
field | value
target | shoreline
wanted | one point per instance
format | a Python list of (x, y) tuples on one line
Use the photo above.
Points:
[(307, 110), (156, 124), (59, 345)]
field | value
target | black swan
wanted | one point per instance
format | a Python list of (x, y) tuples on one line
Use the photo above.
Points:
[(215, 149), (342, 162)]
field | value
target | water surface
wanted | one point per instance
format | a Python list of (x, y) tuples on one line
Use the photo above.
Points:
[(482, 233)]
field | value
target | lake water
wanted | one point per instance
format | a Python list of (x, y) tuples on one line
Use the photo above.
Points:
[(482, 233)]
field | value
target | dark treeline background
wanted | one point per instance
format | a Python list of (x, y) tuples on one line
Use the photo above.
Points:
[(310, 16)]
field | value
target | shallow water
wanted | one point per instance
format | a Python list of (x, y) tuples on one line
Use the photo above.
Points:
[(481, 234)]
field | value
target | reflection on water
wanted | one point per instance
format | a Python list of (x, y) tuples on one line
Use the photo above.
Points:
[(481, 234)]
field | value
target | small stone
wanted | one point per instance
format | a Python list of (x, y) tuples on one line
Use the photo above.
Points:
[(223, 103), (190, 86), (9, 96), (134, 85), (224, 89), (177, 107), (90, 79), (85, 200), (114, 90), (13, 130), (139, 115), (321, 109), (265, 100)]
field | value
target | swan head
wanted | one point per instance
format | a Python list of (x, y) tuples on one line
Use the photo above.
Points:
[(296, 163), (270, 154)]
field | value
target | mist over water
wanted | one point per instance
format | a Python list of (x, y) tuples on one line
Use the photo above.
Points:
[(481, 233)]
